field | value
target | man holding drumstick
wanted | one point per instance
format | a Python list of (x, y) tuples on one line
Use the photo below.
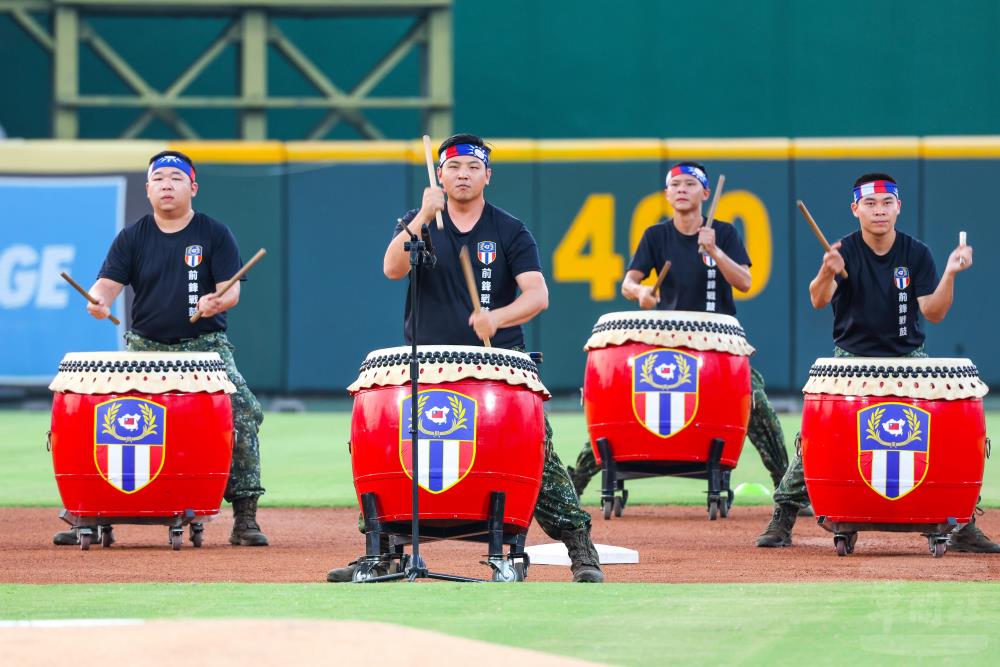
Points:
[(506, 261), (176, 261), (891, 280), (696, 282)]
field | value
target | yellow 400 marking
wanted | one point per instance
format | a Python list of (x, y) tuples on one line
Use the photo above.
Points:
[(587, 254)]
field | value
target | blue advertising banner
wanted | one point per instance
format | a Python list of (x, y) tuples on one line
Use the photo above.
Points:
[(47, 226)]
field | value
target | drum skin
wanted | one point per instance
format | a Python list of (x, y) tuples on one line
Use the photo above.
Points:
[(509, 455), (954, 471), (723, 407), (196, 457)]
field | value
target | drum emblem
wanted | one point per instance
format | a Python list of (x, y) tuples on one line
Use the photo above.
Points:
[(446, 438), (192, 255), (487, 251), (665, 390), (129, 442), (901, 276), (893, 447), (709, 261)]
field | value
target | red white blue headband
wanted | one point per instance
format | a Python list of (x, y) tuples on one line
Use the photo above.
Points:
[(690, 171), (171, 161), (464, 149), (866, 189)]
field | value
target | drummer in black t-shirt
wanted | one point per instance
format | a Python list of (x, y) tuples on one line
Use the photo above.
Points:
[(176, 259), (696, 282), (505, 260), (891, 282)]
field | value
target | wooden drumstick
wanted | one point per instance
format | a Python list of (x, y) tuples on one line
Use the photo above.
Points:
[(86, 295), (816, 230), (659, 278), (429, 154), (713, 206), (235, 279), (470, 282), (961, 242)]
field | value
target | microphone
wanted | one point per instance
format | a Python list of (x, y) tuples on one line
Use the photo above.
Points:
[(425, 236)]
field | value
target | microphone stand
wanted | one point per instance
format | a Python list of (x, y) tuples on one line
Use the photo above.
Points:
[(421, 254)]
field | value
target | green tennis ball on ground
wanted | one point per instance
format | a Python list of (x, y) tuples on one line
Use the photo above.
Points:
[(752, 492)]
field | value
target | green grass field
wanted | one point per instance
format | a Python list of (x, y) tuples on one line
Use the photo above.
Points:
[(630, 624), (305, 463)]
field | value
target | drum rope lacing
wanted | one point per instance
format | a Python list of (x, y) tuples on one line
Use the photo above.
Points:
[(700, 331), (515, 368), (926, 378), (150, 372)]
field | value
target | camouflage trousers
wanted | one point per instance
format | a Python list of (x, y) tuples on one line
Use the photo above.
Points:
[(764, 431), (792, 488), (244, 473)]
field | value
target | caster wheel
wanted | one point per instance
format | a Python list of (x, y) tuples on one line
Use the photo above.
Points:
[(176, 538), (504, 572), (940, 548), (85, 539), (197, 539), (107, 536), (521, 571), (608, 506), (713, 510), (851, 541), (724, 508), (618, 505), (624, 498), (840, 542)]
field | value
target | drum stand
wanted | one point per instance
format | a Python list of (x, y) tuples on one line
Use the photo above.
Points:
[(421, 254), (614, 495)]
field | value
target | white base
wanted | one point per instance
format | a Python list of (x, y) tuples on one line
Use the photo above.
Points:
[(555, 553)]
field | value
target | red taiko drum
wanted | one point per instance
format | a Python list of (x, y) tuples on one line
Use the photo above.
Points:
[(894, 442), (660, 387), (141, 435), (481, 430)]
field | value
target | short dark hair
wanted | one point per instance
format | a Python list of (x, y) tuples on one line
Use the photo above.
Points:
[(689, 164), (877, 176), (456, 139), (176, 154)]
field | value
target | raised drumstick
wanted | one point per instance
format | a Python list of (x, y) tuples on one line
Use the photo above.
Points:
[(961, 242), (86, 295), (819, 234), (470, 282), (714, 205), (235, 279), (429, 155), (659, 278)]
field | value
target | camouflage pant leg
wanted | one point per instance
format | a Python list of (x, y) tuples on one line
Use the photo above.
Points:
[(765, 431), (244, 472), (586, 466), (792, 487), (558, 507)]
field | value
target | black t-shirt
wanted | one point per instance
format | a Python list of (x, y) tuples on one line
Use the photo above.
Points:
[(875, 311), (694, 281), (170, 272), (500, 248)]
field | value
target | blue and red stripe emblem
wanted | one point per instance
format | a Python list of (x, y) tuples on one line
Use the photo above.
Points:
[(665, 390)]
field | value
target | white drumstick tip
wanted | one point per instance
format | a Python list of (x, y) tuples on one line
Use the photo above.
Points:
[(961, 243)]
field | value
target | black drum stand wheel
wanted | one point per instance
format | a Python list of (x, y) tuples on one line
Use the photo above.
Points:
[(197, 534), (618, 505), (85, 539), (176, 538), (713, 509), (840, 542), (608, 507), (107, 537)]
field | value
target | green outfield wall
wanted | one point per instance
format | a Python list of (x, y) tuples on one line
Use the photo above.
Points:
[(584, 68), (325, 212)]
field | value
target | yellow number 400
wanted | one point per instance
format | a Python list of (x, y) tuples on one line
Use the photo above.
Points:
[(586, 252)]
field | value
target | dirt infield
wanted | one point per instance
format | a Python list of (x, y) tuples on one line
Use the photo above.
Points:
[(675, 544), (289, 643)]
